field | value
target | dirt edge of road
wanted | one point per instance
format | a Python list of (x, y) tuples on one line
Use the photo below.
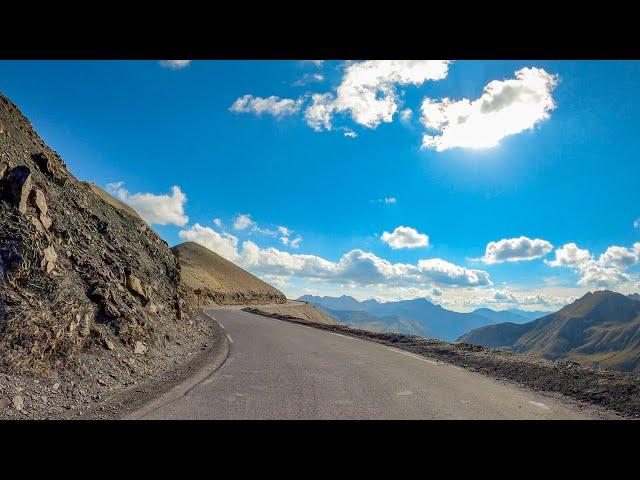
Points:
[(137, 401), (617, 392)]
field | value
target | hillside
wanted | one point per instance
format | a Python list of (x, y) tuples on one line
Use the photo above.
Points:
[(600, 329), (425, 316), (84, 287), (221, 281)]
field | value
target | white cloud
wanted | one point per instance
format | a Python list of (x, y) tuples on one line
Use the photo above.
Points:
[(505, 108), (445, 273), (515, 250), (295, 243), (224, 244), (606, 272), (405, 237), (308, 78), (320, 113), (175, 64), (154, 209), (570, 255), (350, 133), (507, 298), (217, 222), (355, 267), (387, 200), (620, 257), (368, 92), (636, 224), (276, 106), (242, 222), (405, 115), (284, 230)]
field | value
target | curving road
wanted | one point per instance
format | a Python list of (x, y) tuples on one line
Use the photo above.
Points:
[(281, 370)]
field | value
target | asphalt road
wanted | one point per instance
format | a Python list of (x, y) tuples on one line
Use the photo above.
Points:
[(281, 370)]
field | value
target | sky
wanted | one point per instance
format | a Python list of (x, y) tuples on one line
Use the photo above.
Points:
[(502, 184)]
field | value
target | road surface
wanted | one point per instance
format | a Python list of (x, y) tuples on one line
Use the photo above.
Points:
[(281, 370)]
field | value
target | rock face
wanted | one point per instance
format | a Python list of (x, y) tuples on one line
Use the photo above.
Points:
[(71, 263)]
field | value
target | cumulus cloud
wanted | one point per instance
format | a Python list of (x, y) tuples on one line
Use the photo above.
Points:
[(308, 78), (217, 222), (224, 244), (355, 267), (242, 222), (445, 273), (570, 255), (405, 237), (175, 64), (506, 107), (154, 209), (620, 257), (515, 250), (319, 114), (508, 298), (636, 224), (606, 272), (368, 91), (275, 106)]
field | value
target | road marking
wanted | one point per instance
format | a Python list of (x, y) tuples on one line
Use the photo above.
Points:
[(343, 336), (539, 404), (404, 393), (230, 339), (413, 356)]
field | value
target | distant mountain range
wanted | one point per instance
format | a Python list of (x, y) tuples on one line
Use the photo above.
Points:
[(601, 329), (417, 317)]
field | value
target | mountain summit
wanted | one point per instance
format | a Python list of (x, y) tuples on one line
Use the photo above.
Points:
[(601, 329)]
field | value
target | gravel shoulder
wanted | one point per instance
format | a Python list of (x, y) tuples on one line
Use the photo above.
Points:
[(110, 384), (609, 393)]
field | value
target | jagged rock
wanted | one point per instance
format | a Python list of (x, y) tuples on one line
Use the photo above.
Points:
[(100, 294), (40, 202), (135, 285), (18, 402), (50, 258), (110, 310), (17, 186), (3, 169), (109, 344), (140, 348), (4, 403), (45, 163)]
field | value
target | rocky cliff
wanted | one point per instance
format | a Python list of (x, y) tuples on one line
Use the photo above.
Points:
[(76, 273)]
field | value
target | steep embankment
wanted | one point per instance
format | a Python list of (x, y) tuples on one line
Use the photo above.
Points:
[(221, 281), (81, 282), (600, 329)]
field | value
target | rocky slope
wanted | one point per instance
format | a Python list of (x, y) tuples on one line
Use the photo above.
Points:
[(600, 329), (221, 281), (80, 279)]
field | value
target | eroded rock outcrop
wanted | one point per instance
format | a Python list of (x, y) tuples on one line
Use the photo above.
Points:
[(75, 272)]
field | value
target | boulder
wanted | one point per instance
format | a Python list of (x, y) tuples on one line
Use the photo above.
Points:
[(17, 187), (135, 285), (50, 258), (140, 348), (18, 402)]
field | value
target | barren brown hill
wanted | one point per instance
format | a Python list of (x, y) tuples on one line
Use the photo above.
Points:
[(600, 329), (221, 281)]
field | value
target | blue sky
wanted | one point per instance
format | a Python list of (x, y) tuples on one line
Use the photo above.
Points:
[(562, 170)]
